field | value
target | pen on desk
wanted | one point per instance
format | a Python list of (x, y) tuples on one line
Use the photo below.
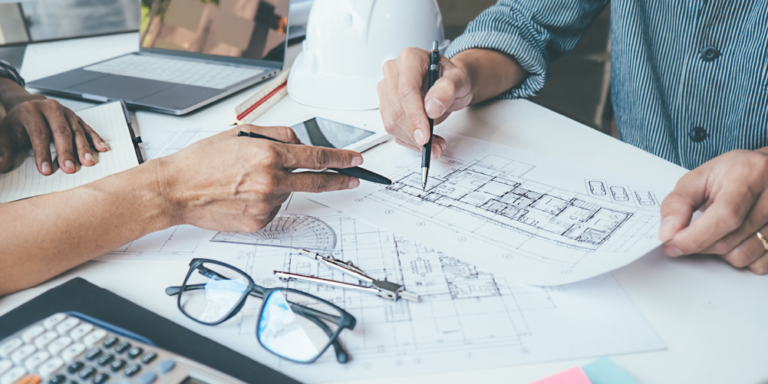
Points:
[(426, 151), (358, 172)]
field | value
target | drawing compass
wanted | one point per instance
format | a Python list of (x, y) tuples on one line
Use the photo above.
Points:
[(381, 288)]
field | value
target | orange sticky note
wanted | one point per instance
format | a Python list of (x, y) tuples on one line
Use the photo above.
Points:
[(572, 376)]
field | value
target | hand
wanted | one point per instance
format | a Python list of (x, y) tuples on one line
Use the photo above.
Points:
[(731, 189), (34, 122), (403, 97), (231, 183)]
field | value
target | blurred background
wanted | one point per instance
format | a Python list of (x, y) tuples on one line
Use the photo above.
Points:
[(578, 86)]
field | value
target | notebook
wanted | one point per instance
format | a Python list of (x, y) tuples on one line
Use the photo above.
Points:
[(111, 121)]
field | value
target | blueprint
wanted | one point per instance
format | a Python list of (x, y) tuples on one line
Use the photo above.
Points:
[(468, 317), (528, 217)]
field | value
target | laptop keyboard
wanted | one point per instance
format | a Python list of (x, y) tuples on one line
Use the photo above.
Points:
[(186, 72)]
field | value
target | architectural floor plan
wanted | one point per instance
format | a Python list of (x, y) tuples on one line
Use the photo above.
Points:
[(468, 317), (535, 219)]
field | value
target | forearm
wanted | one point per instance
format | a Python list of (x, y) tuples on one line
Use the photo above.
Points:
[(12, 94), (491, 72), (47, 235)]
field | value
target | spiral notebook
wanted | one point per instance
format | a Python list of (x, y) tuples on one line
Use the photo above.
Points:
[(112, 123)]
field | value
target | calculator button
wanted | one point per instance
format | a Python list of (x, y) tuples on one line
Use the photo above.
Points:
[(58, 345), (166, 366), (101, 378), (13, 375), (94, 337), (58, 379), (75, 367), (132, 370), (87, 372), (8, 347), (5, 365), (29, 379), (45, 338), (32, 332), (117, 365), (106, 359), (149, 357), (22, 353), (50, 367), (122, 347), (109, 342), (147, 378), (72, 352), (80, 331), (35, 360), (67, 325), (135, 352), (53, 320), (92, 354)]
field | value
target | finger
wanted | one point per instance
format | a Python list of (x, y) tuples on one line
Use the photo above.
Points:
[(395, 120), (82, 143), (446, 90), (678, 207), (6, 152), (745, 253), (93, 137), (40, 138), (760, 267), (309, 157), (316, 182), (413, 69), (726, 214), (753, 223), (62, 137), (284, 134)]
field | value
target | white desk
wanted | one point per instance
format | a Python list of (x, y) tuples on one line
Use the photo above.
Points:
[(713, 318)]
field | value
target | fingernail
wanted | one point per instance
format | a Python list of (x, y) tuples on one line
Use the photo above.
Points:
[(104, 145), (443, 145), (353, 183), (69, 164), (88, 157), (46, 168), (419, 137), (666, 227), (434, 108), (672, 251), (357, 160)]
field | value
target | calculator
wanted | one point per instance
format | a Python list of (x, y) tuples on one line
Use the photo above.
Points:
[(72, 348)]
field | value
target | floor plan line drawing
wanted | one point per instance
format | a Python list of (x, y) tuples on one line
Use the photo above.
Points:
[(467, 316)]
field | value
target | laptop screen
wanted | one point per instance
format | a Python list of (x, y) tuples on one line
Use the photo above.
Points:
[(249, 29)]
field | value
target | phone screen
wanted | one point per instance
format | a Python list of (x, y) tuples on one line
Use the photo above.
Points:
[(326, 133)]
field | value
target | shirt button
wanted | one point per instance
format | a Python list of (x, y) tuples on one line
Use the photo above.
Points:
[(709, 53), (697, 134)]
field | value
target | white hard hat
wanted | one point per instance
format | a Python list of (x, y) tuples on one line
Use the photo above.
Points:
[(347, 43)]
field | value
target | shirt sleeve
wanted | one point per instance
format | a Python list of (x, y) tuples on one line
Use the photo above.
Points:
[(534, 32), (9, 72)]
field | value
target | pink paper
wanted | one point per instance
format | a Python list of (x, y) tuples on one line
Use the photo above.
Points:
[(572, 376)]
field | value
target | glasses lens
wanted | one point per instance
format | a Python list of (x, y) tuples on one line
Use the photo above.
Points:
[(297, 326), (212, 292)]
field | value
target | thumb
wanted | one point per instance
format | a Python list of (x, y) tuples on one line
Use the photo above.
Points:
[(678, 207)]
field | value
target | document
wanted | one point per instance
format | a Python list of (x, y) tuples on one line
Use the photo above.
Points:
[(110, 122), (469, 318), (528, 217)]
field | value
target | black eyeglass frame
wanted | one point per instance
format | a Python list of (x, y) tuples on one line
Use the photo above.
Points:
[(345, 321)]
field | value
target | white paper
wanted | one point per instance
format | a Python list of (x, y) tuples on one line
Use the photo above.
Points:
[(109, 121), (531, 218), (468, 318)]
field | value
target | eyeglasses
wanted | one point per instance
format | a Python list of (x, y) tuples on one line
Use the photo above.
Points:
[(292, 324)]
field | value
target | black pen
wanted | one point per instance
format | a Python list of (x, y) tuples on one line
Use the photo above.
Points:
[(358, 172), (426, 151)]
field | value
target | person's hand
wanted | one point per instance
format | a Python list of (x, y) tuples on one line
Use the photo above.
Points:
[(36, 121), (732, 192), (231, 183), (404, 98)]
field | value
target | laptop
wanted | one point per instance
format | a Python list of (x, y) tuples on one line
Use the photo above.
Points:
[(192, 53)]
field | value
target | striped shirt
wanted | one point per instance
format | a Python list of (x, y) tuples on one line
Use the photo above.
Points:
[(689, 79)]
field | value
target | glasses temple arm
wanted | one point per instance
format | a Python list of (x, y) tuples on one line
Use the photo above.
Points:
[(175, 290)]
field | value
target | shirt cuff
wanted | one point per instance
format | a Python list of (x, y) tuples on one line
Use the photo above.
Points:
[(531, 58)]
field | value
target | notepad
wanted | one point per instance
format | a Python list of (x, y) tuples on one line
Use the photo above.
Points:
[(111, 122)]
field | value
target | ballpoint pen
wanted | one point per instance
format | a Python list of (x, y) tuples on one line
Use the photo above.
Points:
[(358, 172), (426, 151)]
